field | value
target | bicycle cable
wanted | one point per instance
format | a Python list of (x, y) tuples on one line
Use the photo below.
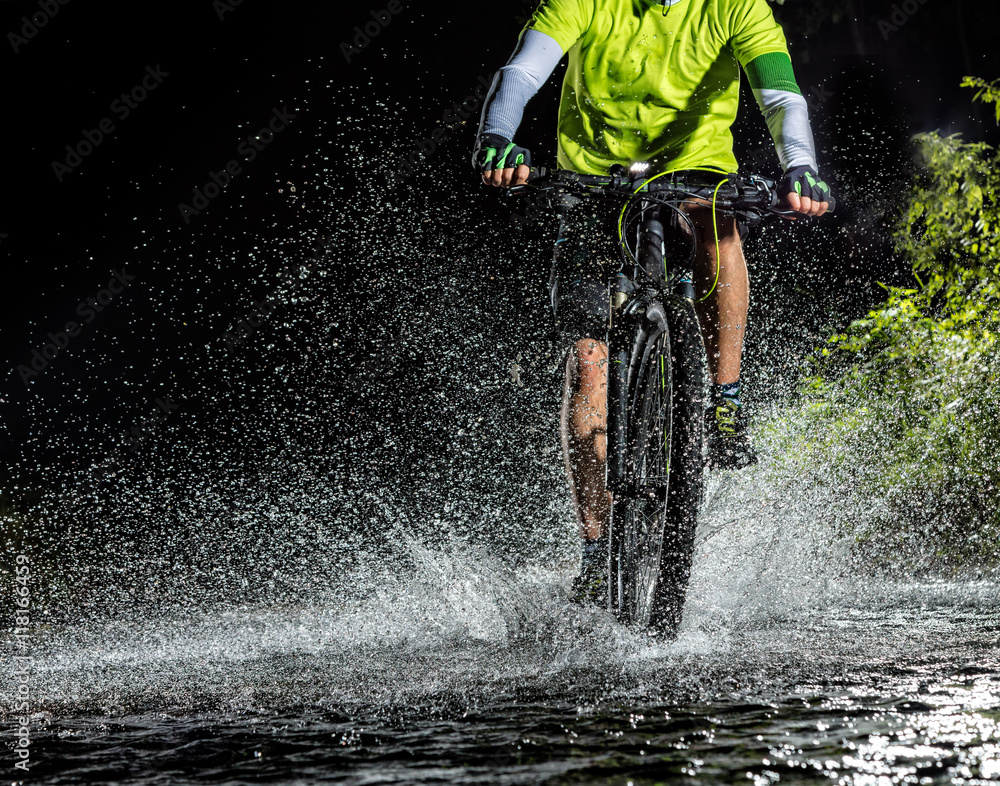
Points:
[(673, 205), (718, 257)]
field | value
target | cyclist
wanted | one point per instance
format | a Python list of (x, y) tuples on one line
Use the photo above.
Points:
[(653, 81)]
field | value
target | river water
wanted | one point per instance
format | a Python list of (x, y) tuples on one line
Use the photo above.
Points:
[(461, 669), (368, 583), (450, 661)]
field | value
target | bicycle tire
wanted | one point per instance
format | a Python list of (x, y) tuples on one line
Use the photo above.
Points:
[(654, 517)]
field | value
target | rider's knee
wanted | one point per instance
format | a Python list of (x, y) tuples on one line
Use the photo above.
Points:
[(589, 360)]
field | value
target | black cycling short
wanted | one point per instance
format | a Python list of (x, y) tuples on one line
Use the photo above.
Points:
[(585, 254), (586, 251)]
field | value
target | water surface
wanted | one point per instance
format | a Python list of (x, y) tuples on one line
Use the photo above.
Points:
[(459, 669)]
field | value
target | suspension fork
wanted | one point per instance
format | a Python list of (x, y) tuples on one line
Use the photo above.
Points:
[(618, 363), (626, 339)]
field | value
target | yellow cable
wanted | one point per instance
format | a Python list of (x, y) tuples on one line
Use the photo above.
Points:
[(718, 259), (621, 216)]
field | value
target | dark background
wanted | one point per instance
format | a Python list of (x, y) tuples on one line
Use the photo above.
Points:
[(869, 93)]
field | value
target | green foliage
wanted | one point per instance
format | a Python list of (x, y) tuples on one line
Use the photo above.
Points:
[(903, 406), (988, 92), (952, 217)]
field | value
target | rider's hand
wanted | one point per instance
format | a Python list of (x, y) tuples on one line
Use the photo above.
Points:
[(501, 162), (805, 193)]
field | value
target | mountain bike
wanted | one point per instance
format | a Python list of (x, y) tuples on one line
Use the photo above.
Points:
[(656, 377)]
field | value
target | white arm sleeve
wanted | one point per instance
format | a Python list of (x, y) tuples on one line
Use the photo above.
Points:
[(532, 62), (787, 116)]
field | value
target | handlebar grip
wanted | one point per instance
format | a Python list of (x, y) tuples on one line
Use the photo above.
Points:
[(537, 172)]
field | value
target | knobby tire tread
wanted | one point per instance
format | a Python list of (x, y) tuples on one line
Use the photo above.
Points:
[(685, 487), (676, 509)]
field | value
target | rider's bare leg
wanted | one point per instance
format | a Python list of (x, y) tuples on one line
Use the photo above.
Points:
[(584, 434), (723, 315)]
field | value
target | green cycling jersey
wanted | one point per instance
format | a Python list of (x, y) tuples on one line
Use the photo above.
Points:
[(659, 82)]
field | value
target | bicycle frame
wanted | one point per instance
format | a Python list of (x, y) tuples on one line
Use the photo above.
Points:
[(643, 291), (655, 384)]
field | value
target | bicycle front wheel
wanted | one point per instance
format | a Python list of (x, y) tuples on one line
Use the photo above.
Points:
[(655, 512)]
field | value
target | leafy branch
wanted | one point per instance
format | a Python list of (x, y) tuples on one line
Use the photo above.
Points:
[(987, 92)]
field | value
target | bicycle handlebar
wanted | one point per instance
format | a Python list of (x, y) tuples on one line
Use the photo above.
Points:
[(751, 193)]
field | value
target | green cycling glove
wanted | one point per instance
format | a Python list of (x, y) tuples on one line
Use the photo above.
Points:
[(804, 181), (495, 152)]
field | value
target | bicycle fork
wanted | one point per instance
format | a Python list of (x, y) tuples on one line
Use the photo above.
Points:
[(619, 346), (627, 335)]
